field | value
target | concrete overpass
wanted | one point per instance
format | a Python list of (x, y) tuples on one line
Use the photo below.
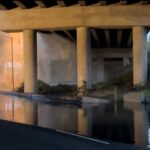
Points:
[(109, 24)]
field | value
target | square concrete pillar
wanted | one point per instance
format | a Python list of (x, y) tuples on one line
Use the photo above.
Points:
[(83, 57), (30, 61), (140, 64)]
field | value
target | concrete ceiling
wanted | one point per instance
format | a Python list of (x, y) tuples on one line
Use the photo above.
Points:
[(11, 4), (102, 38)]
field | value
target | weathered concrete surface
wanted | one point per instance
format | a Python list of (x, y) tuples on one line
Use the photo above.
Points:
[(136, 97), (140, 56), (89, 16), (56, 59)]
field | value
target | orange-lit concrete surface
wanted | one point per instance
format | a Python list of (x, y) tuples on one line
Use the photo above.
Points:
[(11, 61), (6, 62), (18, 62)]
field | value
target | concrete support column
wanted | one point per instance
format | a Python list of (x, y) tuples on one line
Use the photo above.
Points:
[(140, 66), (83, 57), (30, 61)]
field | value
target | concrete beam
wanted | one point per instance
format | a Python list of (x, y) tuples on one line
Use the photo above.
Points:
[(2, 7), (53, 32), (112, 52), (94, 34), (61, 3), (102, 2), (119, 3), (19, 4), (118, 50), (123, 2), (69, 35), (82, 3), (129, 42), (144, 2), (107, 35), (119, 37), (40, 3), (87, 16)]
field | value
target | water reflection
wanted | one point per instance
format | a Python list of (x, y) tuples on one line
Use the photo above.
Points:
[(140, 122), (85, 121), (17, 110), (57, 117), (124, 122)]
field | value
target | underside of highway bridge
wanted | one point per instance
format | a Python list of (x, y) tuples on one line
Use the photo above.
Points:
[(102, 32)]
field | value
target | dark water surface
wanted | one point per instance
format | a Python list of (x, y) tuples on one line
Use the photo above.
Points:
[(123, 122)]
